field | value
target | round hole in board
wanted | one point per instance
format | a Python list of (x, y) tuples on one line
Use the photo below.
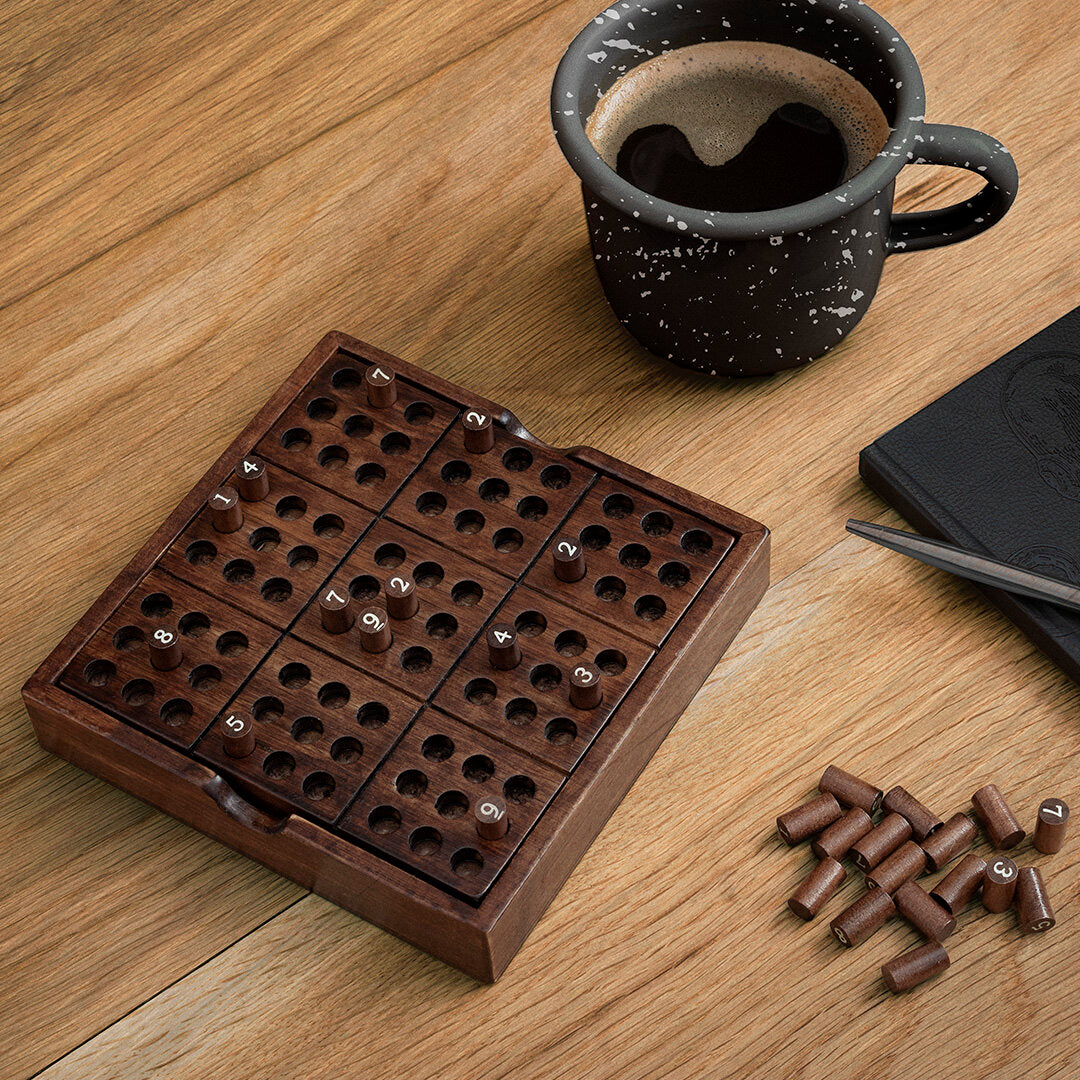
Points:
[(302, 557), (276, 590), (456, 472), (333, 457), (327, 526), (532, 508), (156, 605), (437, 747), (452, 804), (561, 731), (238, 571), (372, 714), (318, 786), (656, 523), (278, 765), (634, 556), (383, 820), (415, 660), (346, 378), (441, 625), (395, 443), (545, 677), (478, 768), (295, 439), (264, 539), (617, 505), (530, 624), (425, 840), (673, 575), (128, 638), (610, 588), (468, 521), (306, 729), (570, 643), (466, 594), (696, 542), (519, 789), (176, 712), (369, 474), (267, 709), (294, 675), (290, 508), (611, 661), (321, 408), (193, 624), (467, 862), (427, 574), (480, 691), (411, 783), (493, 490), (649, 608), (555, 477), (517, 459), (357, 426), (520, 711), (389, 556), (200, 553), (430, 503), (204, 677), (346, 750), (99, 672), (594, 537), (231, 643), (418, 413), (137, 691), (364, 587), (507, 541), (333, 695)]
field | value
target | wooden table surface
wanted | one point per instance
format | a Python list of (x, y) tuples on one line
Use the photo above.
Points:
[(192, 194)]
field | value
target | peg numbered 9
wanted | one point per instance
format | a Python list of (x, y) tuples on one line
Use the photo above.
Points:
[(492, 819), (375, 633)]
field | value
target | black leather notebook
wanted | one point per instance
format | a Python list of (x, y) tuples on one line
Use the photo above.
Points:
[(994, 466)]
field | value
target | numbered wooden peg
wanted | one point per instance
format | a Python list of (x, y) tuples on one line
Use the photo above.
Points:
[(1033, 908), (569, 556), (336, 610), (492, 820), (504, 652), (479, 431), (226, 513), (999, 884), (1051, 825), (858, 921), (586, 691), (251, 479), (166, 653), (237, 735), (401, 599), (381, 385), (375, 634)]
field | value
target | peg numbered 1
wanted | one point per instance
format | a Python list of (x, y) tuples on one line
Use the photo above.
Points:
[(225, 510)]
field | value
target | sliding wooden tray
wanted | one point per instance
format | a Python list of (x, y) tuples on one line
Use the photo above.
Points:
[(373, 774)]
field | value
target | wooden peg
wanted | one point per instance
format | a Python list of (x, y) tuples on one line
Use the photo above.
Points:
[(251, 479), (492, 820), (401, 599), (479, 431), (381, 385), (225, 510), (375, 633), (569, 556), (238, 735), (504, 652), (336, 610), (166, 652), (586, 689)]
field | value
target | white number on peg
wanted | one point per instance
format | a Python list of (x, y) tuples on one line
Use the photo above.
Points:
[(164, 637), (234, 723), (333, 596), (840, 935), (584, 674), (490, 810), (378, 373), (475, 417), (1004, 870), (1058, 811), (250, 466), (373, 621), (570, 549), (399, 583), (218, 497), (1042, 924), (503, 636)]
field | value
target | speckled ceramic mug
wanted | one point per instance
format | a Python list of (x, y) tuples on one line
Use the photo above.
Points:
[(748, 294)]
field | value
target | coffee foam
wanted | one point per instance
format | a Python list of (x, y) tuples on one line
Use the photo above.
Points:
[(719, 93)]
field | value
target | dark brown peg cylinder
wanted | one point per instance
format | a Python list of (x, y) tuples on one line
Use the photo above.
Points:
[(1051, 824), (907, 862), (880, 842), (1032, 903), (492, 820), (835, 841), (381, 386), (586, 686), (336, 610), (999, 884), (251, 479), (504, 652), (850, 790), (999, 821), (166, 652), (921, 820), (923, 912), (401, 599), (479, 431), (375, 633), (237, 735), (915, 966), (808, 818), (226, 513), (817, 888), (944, 844), (569, 558), (955, 890), (858, 921)]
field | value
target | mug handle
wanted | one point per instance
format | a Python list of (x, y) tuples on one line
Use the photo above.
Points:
[(964, 148)]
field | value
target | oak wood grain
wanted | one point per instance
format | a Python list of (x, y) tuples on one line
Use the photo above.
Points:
[(335, 166)]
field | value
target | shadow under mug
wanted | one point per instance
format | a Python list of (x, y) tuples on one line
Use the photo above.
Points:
[(753, 293)]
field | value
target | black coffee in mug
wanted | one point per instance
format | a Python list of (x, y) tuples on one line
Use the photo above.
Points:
[(737, 126)]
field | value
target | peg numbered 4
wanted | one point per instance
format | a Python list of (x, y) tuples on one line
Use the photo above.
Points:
[(251, 479)]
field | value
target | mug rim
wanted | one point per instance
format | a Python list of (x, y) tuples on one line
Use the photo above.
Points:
[(603, 181)]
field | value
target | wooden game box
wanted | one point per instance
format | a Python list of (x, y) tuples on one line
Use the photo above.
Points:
[(370, 768)]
